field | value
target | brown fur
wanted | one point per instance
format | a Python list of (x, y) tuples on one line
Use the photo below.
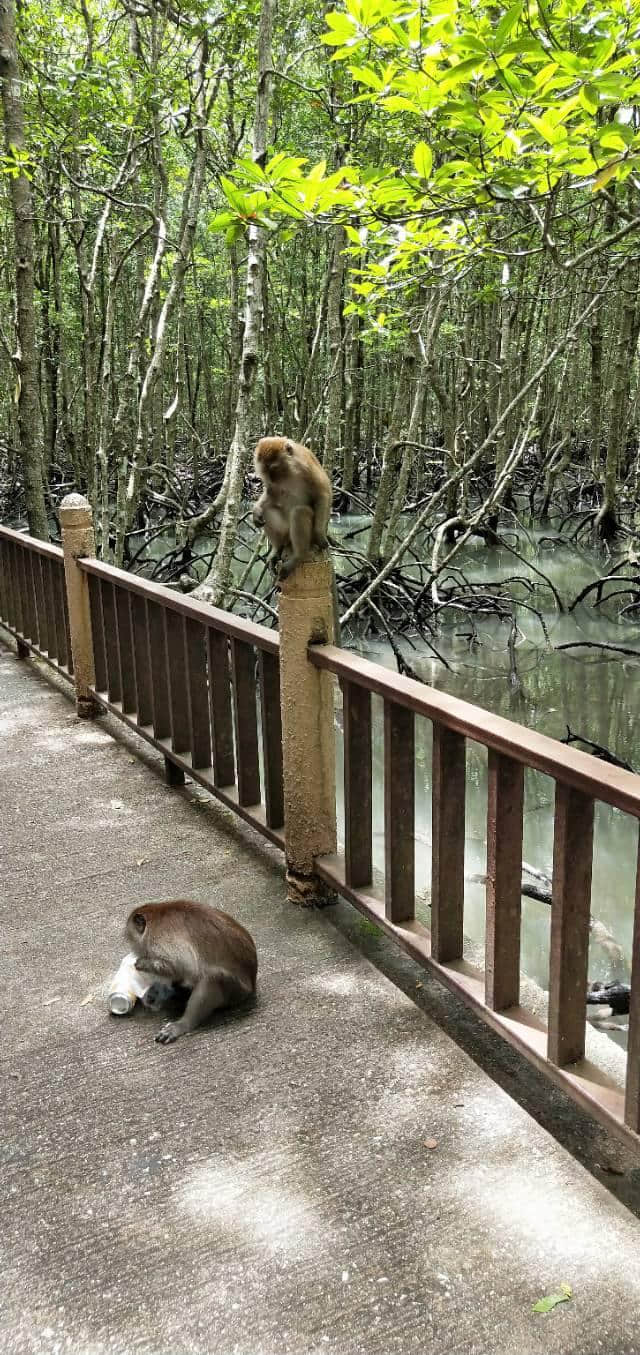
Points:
[(295, 505), (196, 946)]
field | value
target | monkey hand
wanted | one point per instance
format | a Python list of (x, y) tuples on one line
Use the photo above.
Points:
[(322, 542), (149, 966), (170, 1032)]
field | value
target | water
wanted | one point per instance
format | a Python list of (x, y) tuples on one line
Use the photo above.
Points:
[(592, 692), (595, 694)]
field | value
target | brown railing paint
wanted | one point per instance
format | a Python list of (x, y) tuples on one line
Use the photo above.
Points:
[(493, 992), (33, 606), (203, 686)]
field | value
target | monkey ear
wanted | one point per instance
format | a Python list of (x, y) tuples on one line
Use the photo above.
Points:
[(139, 921), (288, 446)]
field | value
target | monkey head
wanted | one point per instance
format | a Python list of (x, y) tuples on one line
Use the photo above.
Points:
[(274, 457), (135, 930)]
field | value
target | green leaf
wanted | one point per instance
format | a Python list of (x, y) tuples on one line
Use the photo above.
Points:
[(221, 221), (547, 1305), (507, 23), (602, 179), (588, 97), (365, 76), (423, 160), (457, 75)]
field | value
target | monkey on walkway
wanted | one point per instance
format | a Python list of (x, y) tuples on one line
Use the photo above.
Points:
[(193, 947)]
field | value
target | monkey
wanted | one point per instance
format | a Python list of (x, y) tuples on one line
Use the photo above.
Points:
[(196, 948), (294, 507), (163, 995)]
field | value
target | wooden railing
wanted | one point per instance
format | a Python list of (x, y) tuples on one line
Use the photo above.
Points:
[(203, 686), (33, 600), (183, 675), (494, 992)]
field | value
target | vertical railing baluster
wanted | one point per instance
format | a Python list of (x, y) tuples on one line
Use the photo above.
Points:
[(399, 812), (112, 656), (269, 673), (356, 716), (246, 721), (6, 604), (632, 1085), (18, 588), (448, 795), (7, 575), (177, 680), (141, 659), (18, 580), (504, 882), (198, 696), (22, 619), (570, 911), (97, 634), (67, 627), (29, 564), (42, 618), (4, 591), (62, 635), (159, 684), (222, 752), (48, 567), (29, 629), (125, 649)]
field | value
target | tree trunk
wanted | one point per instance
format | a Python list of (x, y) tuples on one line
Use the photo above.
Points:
[(607, 520), (214, 587), (26, 359), (390, 457), (332, 437)]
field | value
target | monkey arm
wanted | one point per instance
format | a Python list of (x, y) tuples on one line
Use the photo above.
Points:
[(321, 515)]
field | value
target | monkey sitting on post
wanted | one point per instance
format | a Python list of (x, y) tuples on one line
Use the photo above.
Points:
[(294, 507), (196, 949)]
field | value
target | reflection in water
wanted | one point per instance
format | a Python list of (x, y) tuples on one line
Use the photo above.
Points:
[(596, 697)]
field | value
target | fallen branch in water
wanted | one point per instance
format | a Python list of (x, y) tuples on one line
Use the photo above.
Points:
[(539, 887), (597, 644)]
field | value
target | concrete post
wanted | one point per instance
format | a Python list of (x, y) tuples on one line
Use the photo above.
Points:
[(76, 520), (308, 739)]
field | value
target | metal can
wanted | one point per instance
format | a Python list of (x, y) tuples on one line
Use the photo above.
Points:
[(127, 985)]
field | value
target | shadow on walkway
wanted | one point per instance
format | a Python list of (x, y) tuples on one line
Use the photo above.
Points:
[(269, 1186)]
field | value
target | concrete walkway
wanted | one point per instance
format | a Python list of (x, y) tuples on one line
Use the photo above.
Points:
[(269, 1186)]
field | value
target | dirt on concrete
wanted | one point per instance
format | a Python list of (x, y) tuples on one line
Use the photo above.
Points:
[(327, 1171)]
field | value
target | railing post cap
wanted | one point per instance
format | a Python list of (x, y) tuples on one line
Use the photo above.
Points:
[(74, 509)]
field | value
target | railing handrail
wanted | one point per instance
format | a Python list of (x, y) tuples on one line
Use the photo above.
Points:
[(182, 674), (42, 547), (601, 780), (235, 626)]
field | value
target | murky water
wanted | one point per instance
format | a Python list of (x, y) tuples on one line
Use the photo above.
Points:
[(595, 694)]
